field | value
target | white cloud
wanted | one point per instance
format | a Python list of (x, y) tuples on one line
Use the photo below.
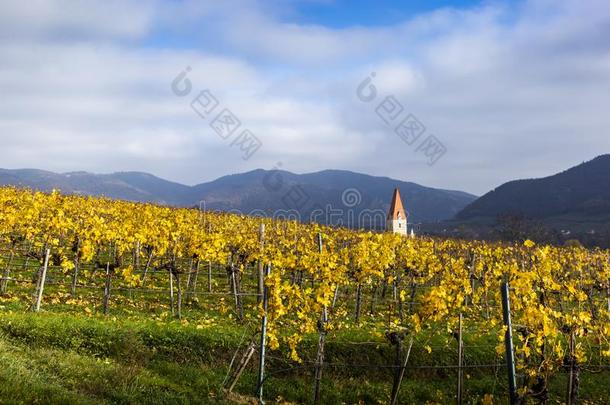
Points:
[(513, 91), (65, 19)]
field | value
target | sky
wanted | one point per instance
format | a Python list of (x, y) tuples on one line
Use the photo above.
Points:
[(487, 91)]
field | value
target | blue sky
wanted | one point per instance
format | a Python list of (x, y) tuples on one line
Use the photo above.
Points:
[(510, 89), (346, 13)]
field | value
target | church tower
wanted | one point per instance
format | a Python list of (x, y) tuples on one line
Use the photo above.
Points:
[(397, 219)]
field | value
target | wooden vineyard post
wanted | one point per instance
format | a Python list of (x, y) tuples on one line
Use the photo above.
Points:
[(373, 297), (209, 276), (471, 275), (229, 269), (193, 280), (177, 275), (508, 343), (136, 258), (261, 362), (27, 256), (400, 365), (189, 279), (321, 342), (261, 239), (320, 358), (42, 279), (460, 383), (7, 273), (335, 296), (75, 273), (231, 280), (236, 289), (573, 379), (358, 302), (242, 363), (107, 287), (240, 299), (197, 269), (147, 267), (171, 293), (396, 340)]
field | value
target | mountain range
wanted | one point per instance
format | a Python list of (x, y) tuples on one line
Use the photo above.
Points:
[(575, 201), (583, 190), (573, 205), (342, 196)]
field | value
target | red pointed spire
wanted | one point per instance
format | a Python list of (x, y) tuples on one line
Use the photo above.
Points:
[(396, 209)]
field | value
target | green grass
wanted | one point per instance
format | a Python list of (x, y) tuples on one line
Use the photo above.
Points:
[(48, 375), (72, 353), (70, 358)]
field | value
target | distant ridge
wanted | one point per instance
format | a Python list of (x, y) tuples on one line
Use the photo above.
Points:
[(259, 190), (582, 191), (132, 186)]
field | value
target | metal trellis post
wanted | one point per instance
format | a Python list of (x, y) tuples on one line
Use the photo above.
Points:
[(508, 342), (261, 363)]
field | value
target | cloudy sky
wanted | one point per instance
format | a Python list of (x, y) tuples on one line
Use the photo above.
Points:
[(510, 89)]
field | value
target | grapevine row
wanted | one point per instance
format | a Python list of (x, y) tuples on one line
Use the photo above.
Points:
[(560, 295)]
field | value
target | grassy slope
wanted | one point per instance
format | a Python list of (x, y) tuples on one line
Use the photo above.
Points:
[(70, 353), (66, 358)]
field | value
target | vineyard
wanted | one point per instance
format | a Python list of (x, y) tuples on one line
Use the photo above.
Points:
[(318, 304)]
